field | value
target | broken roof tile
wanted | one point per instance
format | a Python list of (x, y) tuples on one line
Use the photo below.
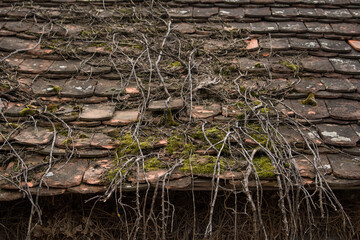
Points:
[(310, 112), (263, 27), (78, 89), (34, 136), (109, 88), (97, 112), (65, 67), (346, 28), (306, 165), (355, 44), (345, 66), (334, 46), (304, 44), (338, 85), (35, 66), (200, 112), (123, 117), (181, 12), (343, 109), (296, 27), (96, 173), (316, 27), (66, 175), (160, 105), (309, 85), (205, 12), (338, 135), (87, 189), (345, 166), (101, 140), (317, 64)]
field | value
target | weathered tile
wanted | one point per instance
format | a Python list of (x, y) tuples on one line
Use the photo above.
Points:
[(18, 26), (345, 66), (14, 62), (310, 112), (65, 67), (232, 13), (309, 85), (43, 87), (275, 44), (12, 44), (94, 70), (316, 27), (181, 12), (46, 192), (284, 12), (205, 111), (296, 27), (343, 109), (334, 46), (6, 196), (109, 88), (306, 165), (78, 89), (355, 44), (257, 12), (311, 12), (337, 13), (124, 117), (34, 66), (76, 140), (249, 65), (34, 136), (159, 105), (252, 44), (338, 135), (101, 140), (327, 94), (303, 44), (185, 28), (65, 175), (69, 30), (92, 153), (96, 173), (87, 189), (317, 64), (346, 28), (263, 27), (97, 112), (338, 85), (205, 12), (345, 166)]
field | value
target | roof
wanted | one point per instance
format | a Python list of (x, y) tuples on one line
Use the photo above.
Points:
[(95, 93)]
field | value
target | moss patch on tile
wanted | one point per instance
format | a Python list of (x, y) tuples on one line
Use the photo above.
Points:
[(264, 167)]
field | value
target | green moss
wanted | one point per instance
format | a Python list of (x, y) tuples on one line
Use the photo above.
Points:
[(293, 67), (153, 164), (264, 110), (56, 89), (52, 107), (169, 121), (256, 132), (128, 146), (258, 65), (28, 110), (83, 135), (214, 135), (202, 164), (67, 141), (13, 125), (310, 100), (177, 144), (264, 167)]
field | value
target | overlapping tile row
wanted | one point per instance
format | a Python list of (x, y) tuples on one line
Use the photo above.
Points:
[(312, 54)]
